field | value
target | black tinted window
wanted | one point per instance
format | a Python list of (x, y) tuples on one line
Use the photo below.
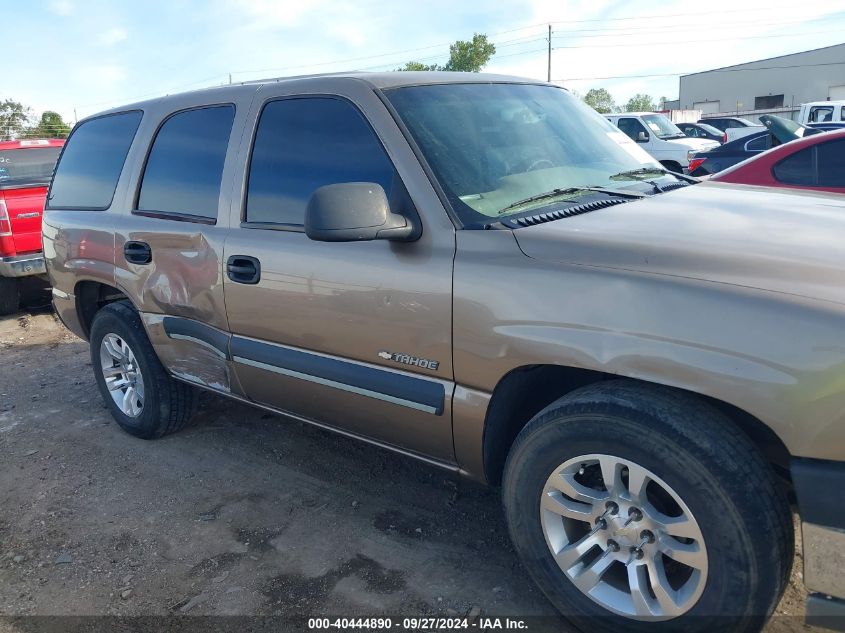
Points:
[(821, 165), (831, 161), (758, 144), (797, 169), (185, 165), (93, 158), (304, 144)]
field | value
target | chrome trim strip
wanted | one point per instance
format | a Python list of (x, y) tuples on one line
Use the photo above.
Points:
[(337, 385), (355, 436)]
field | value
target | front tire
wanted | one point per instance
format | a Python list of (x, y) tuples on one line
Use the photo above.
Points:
[(10, 295), (142, 397), (637, 507)]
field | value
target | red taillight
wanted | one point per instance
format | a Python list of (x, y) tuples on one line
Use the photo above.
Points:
[(695, 163), (724, 138), (7, 245), (5, 223)]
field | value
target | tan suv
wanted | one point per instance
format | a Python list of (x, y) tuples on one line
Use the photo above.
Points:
[(482, 273)]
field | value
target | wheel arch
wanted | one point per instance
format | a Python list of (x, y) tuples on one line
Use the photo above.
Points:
[(91, 296), (527, 390)]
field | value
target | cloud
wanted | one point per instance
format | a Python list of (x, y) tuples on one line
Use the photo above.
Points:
[(61, 7), (112, 36)]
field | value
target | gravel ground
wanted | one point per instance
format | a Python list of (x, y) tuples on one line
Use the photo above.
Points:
[(244, 513)]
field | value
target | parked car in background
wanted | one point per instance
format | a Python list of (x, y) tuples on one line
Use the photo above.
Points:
[(774, 131), (725, 122), (733, 127), (815, 162), (25, 171), (478, 271), (825, 114), (726, 155), (661, 138), (702, 130)]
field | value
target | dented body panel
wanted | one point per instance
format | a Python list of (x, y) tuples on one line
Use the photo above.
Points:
[(730, 292)]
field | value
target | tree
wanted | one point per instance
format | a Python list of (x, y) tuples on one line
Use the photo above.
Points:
[(600, 100), (640, 103), (468, 56), (418, 66), (51, 125), (14, 118)]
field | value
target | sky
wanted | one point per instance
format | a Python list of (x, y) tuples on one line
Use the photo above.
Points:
[(78, 57)]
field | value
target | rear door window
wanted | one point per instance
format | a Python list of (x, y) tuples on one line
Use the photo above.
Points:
[(185, 165), (831, 162), (305, 143), (822, 165), (89, 168), (798, 169)]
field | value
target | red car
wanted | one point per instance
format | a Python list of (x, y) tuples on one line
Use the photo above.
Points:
[(815, 163), (25, 171)]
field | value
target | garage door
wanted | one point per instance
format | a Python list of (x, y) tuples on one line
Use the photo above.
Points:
[(836, 93), (706, 107)]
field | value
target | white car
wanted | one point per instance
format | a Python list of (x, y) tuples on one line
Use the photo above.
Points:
[(661, 138)]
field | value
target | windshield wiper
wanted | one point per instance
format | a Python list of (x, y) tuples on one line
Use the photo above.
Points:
[(632, 174), (554, 193)]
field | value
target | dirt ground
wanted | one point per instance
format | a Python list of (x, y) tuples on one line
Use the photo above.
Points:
[(244, 513)]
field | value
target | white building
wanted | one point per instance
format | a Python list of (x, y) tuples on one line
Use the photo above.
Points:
[(777, 85)]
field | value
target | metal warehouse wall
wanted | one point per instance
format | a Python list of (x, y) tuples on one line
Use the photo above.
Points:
[(800, 77)]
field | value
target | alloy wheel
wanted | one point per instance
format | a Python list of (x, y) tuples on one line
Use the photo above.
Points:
[(122, 375), (624, 537)]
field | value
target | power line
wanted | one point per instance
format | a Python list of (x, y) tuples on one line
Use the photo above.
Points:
[(682, 29), (522, 40), (695, 72), (721, 39), (670, 15)]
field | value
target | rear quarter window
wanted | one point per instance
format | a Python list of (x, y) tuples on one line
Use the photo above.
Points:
[(92, 160)]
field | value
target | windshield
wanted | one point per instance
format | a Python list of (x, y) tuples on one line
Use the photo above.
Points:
[(491, 145), (28, 165), (710, 129), (662, 127)]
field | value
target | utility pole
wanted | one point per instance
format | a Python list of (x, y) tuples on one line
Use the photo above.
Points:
[(549, 72), (230, 79)]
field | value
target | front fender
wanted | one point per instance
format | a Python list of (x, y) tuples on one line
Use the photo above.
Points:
[(778, 357)]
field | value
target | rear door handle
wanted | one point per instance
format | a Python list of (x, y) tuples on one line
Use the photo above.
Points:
[(137, 252), (243, 269)]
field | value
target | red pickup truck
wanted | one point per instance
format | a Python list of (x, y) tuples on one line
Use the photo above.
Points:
[(25, 171)]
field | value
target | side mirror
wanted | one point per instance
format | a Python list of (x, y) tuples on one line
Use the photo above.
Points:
[(355, 211), (642, 137)]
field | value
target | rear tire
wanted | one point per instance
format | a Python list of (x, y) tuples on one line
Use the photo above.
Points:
[(10, 295), (742, 543), (142, 397)]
